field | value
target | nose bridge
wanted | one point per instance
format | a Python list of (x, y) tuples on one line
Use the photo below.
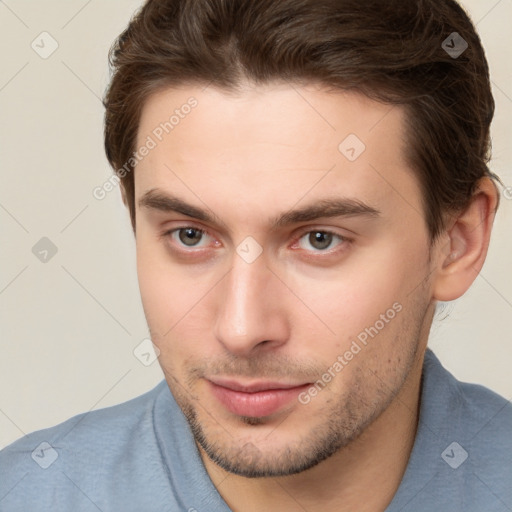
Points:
[(248, 311)]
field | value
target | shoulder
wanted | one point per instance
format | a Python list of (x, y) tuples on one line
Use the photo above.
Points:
[(484, 420), (95, 428), (466, 407), (88, 448), (463, 451)]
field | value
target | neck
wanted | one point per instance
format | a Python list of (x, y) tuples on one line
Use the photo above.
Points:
[(363, 476)]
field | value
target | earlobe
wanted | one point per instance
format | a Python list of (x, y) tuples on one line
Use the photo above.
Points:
[(463, 254)]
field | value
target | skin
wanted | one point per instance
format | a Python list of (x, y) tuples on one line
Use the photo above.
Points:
[(290, 313)]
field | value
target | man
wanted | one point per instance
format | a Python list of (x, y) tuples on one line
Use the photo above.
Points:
[(305, 180)]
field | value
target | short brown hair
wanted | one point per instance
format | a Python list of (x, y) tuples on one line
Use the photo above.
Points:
[(390, 50)]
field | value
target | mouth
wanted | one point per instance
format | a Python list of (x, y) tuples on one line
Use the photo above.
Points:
[(256, 399)]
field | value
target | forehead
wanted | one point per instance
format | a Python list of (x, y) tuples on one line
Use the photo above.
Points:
[(271, 146), (291, 115)]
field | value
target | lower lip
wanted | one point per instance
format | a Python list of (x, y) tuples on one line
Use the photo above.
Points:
[(258, 404)]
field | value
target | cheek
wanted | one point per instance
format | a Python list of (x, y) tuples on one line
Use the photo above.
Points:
[(176, 303), (162, 304), (378, 282), (356, 290), (158, 286)]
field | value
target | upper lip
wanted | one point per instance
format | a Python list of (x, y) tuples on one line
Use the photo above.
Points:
[(253, 387)]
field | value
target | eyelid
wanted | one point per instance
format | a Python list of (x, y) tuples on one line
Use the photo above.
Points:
[(314, 229), (167, 234), (344, 240)]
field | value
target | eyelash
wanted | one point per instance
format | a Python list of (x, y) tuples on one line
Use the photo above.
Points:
[(343, 240)]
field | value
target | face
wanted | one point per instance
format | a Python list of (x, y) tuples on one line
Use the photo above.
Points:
[(283, 267)]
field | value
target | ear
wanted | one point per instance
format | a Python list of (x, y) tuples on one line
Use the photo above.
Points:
[(464, 247)]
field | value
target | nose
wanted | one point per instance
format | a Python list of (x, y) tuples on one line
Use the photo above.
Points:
[(251, 309)]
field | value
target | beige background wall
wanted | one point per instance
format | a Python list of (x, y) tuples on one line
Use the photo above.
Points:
[(69, 325)]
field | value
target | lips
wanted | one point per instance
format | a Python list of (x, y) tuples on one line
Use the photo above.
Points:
[(257, 399)]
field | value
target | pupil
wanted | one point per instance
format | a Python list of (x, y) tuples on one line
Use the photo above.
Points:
[(320, 240), (191, 235)]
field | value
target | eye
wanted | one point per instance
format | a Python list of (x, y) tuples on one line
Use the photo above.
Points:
[(186, 236), (320, 240)]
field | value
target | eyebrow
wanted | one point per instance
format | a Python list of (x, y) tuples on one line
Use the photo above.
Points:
[(155, 199)]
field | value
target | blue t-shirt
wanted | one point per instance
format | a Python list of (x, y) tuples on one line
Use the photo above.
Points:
[(141, 456)]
